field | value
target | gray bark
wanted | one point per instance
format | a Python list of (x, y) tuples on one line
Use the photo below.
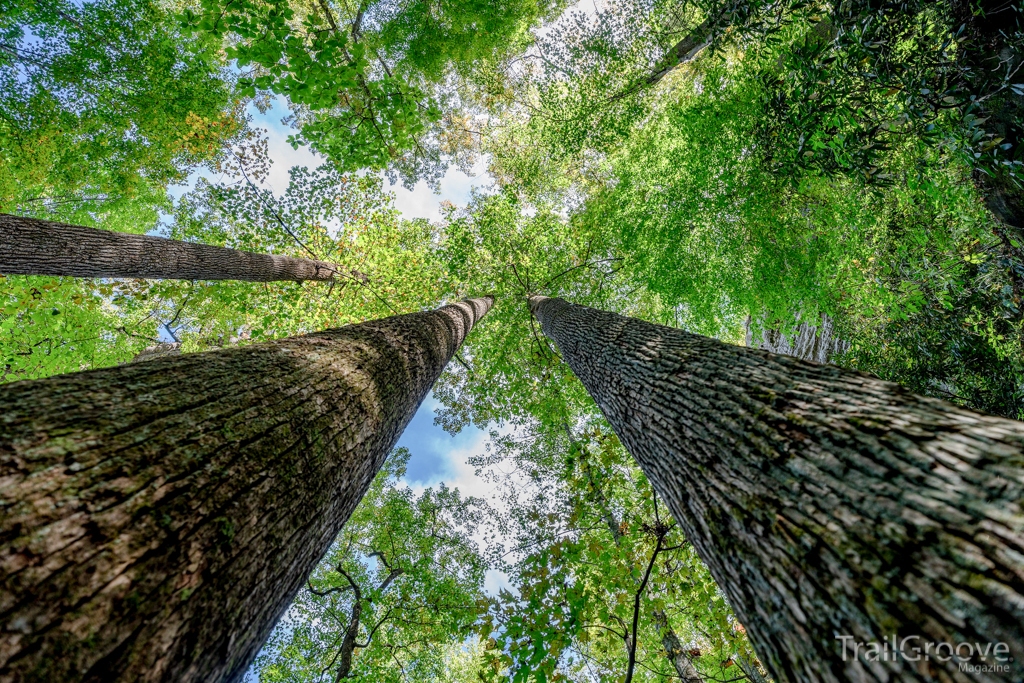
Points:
[(159, 350), (816, 343), (157, 518), (685, 51), (677, 654), (29, 246), (825, 502)]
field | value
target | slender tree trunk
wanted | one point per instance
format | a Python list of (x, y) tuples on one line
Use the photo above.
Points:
[(750, 670), (348, 643), (34, 247), (674, 648), (686, 50), (826, 503), (157, 518)]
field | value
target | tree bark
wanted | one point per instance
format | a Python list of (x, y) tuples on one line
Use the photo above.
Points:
[(816, 343), (674, 649), (826, 503), (348, 643), (158, 350), (686, 50), (750, 670), (157, 518), (35, 247)]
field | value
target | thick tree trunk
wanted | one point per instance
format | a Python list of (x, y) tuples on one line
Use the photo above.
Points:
[(157, 518), (34, 247), (826, 503)]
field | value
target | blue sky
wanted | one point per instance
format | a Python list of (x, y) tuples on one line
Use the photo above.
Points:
[(431, 447)]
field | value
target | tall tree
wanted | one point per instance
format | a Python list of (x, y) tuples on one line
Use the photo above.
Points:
[(38, 247), (826, 503), (157, 518)]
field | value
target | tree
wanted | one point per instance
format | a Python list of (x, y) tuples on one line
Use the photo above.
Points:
[(397, 592), (102, 105), (367, 79), (37, 247), (826, 503), (158, 517), (382, 266)]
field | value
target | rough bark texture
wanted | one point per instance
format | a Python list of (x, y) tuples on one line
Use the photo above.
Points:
[(825, 502), (157, 518), (34, 247)]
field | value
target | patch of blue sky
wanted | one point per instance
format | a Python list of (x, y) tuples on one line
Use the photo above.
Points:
[(431, 448)]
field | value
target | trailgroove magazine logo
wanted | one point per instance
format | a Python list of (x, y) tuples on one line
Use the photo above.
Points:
[(971, 657)]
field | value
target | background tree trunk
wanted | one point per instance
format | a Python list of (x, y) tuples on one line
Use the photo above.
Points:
[(816, 343), (674, 650), (825, 502), (157, 518), (34, 247)]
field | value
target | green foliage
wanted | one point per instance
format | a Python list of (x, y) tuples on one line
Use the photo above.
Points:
[(50, 326), (102, 105), (410, 562), (386, 265), (851, 84), (742, 189), (810, 160), (594, 551), (364, 80)]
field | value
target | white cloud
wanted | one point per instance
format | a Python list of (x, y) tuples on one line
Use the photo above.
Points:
[(285, 157), (456, 187)]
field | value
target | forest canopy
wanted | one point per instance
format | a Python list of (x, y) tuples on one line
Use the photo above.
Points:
[(844, 177)]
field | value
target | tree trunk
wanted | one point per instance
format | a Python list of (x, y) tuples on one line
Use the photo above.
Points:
[(157, 518), (816, 343), (348, 643), (675, 651), (686, 50), (34, 247), (158, 350), (750, 670), (826, 503)]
